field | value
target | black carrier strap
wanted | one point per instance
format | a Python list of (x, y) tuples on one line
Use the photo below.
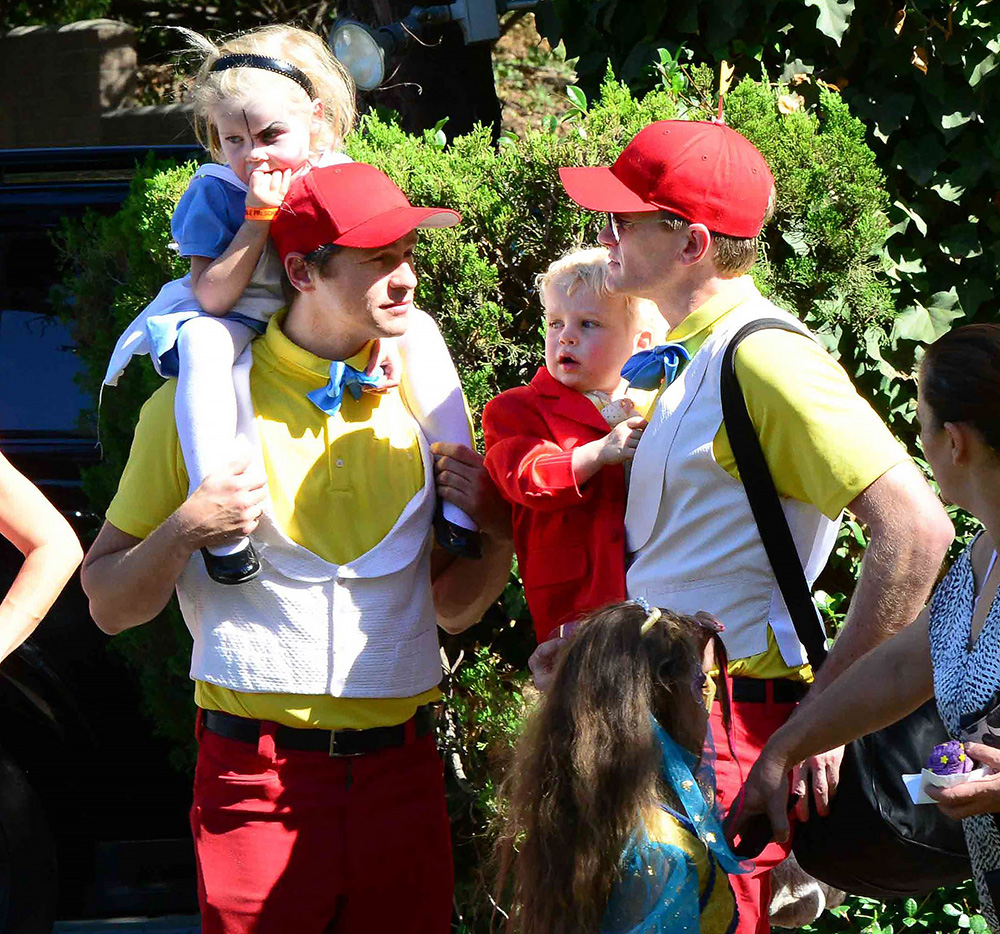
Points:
[(764, 501)]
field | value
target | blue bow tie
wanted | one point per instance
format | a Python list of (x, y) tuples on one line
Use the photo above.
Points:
[(342, 377), (649, 368)]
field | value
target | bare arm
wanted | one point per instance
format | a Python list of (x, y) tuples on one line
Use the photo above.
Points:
[(464, 589), (910, 533), (889, 682), (51, 554), (218, 283), (129, 580), (616, 447)]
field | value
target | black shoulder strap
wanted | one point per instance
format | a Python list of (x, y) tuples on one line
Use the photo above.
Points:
[(764, 502)]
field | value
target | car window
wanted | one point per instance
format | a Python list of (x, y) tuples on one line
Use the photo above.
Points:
[(38, 369)]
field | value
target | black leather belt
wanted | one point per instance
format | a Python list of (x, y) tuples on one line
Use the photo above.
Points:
[(757, 690), (334, 742)]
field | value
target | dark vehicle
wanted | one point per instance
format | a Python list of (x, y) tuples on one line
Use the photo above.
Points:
[(93, 819)]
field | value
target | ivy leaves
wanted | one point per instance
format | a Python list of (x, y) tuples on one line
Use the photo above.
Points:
[(926, 322), (834, 17)]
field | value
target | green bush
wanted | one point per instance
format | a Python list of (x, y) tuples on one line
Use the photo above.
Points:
[(945, 911), (477, 279)]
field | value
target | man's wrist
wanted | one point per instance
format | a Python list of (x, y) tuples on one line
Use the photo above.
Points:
[(183, 531)]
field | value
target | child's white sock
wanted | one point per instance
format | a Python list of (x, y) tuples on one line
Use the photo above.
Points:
[(205, 403)]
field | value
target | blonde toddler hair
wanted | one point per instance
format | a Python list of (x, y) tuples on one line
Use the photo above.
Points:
[(307, 51), (586, 268)]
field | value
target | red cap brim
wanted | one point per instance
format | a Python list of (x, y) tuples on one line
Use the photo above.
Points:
[(596, 189), (387, 228)]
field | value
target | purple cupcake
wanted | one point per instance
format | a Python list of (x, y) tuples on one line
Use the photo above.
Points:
[(949, 758)]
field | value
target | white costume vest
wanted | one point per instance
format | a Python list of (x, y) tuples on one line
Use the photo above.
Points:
[(305, 626), (688, 522)]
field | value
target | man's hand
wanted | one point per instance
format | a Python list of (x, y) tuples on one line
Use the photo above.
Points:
[(226, 507), (387, 358), (462, 479), (764, 792), (978, 796), (620, 443), (267, 189), (543, 662), (825, 772)]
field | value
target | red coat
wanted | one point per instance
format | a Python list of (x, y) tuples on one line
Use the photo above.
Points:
[(570, 541)]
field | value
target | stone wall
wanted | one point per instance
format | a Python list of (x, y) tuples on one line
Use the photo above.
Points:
[(66, 86)]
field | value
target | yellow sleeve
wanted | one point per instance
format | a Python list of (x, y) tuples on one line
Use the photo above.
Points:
[(823, 443), (154, 482)]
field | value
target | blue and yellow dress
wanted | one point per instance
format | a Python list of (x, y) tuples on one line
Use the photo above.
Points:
[(675, 869)]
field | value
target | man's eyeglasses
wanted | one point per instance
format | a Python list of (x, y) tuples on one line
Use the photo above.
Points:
[(619, 225)]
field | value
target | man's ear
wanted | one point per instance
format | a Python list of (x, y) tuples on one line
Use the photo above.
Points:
[(697, 245), (643, 340), (300, 274)]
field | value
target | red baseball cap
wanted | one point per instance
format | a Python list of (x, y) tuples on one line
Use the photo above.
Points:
[(352, 205), (702, 171)]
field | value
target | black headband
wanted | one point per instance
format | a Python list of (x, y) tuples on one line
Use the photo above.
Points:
[(249, 60)]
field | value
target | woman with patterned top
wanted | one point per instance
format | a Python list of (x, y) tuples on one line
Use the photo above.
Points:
[(953, 649)]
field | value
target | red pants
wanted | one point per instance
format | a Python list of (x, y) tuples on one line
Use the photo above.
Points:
[(293, 841), (753, 724)]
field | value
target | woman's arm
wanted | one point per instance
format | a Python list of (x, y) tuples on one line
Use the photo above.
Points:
[(51, 554), (218, 283), (882, 687), (129, 580)]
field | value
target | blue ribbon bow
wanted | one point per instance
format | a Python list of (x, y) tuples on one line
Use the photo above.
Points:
[(342, 377), (649, 368)]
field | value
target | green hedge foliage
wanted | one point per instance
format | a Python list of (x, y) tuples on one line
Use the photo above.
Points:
[(821, 260)]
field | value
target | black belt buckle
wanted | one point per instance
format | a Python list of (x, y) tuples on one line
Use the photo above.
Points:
[(341, 746)]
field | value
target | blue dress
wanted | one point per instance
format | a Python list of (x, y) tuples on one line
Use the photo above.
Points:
[(661, 890), (204, 223)]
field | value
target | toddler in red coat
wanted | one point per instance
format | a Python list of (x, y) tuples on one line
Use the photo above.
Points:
[(556, 448)]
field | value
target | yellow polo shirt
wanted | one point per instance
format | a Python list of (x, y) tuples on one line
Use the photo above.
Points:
[(337, 485), (823, 443)]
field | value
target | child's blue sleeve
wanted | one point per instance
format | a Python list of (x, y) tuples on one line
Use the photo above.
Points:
[(207, 217)]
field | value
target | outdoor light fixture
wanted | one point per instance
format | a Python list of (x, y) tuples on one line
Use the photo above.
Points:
[(363, 50), (358, 49)]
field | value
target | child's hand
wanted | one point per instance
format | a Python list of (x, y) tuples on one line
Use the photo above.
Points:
[(618, 411), (620, 443), (267, 189), (387, 358), (544, 660)]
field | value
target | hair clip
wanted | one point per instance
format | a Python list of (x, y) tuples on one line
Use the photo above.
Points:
[(652, 615)]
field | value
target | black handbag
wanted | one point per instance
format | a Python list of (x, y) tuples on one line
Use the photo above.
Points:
[(874, 841)]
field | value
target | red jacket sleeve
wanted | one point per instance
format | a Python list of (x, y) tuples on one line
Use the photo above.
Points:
[(527, 465)]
